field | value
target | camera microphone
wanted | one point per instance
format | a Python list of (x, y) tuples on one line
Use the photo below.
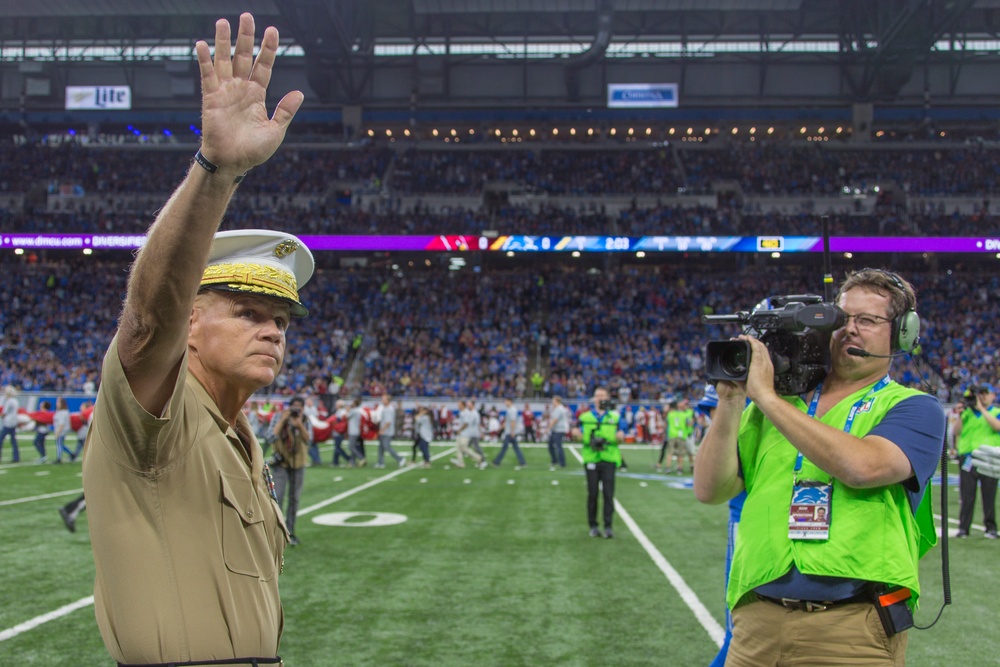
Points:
[(858, 352)]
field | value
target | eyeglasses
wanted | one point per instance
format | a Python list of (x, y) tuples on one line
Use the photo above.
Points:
[(866, 320)]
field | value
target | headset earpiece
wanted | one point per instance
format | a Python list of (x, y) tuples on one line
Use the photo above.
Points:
[(905, 327), (905, 332)]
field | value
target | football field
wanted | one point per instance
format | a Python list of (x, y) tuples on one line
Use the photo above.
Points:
[(448, 566)]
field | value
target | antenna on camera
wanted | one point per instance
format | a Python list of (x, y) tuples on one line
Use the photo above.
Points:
[(827, 268)]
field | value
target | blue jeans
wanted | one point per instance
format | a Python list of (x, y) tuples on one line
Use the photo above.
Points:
[(425, 450), (556, 453), (61, 447), (40, 443), (12, 432), (510, 441), (338, 450), (385, 446)]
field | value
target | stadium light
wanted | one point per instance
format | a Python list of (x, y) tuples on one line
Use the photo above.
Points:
[(454, 132), (770, 130), (388, 132), (371, 133), (88, 251), (612, 131), (510, 253), (576, 253), (670, 131), (753, 130), (821, 130), (572, 131), (406, 131), (555, 131), (640, 254), (434, 132), (18, 251), (690, 130), (736, 130), (497, 132)]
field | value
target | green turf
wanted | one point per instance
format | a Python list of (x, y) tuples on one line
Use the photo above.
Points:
[(481, 573)]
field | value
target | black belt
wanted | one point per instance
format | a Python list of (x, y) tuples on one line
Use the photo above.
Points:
[(224, 661), (813, 605)]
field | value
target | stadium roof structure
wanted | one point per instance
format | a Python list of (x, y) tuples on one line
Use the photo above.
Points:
[(543, 53)]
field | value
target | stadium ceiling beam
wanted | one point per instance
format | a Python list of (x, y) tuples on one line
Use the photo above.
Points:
[(338, 40), (882, 42)]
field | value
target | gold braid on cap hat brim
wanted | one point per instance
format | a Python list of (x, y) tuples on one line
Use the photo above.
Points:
[(254, 278)]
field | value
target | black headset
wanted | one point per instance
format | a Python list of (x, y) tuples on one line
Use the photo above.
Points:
[(905, 332)]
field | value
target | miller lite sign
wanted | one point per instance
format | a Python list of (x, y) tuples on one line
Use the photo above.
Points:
[(98, 97)]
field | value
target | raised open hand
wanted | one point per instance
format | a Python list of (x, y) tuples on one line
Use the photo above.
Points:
[(237, 133)]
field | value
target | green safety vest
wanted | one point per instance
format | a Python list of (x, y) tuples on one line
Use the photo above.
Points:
[(976, 432), (874, 535), (607, 428), (677, 424)]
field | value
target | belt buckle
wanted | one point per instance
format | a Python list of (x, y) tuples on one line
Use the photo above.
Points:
[(803, 605)]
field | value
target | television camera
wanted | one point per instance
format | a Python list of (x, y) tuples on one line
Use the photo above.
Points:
[(795, 329)]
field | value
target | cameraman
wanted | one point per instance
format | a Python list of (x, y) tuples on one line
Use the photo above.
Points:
[(862, 447), (292, 436), (598, 428), (977, 425)]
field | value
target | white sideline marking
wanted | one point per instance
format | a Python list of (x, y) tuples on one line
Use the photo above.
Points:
[(17, 501), (689, 597), (951, 520), (367, 485), (45, 618)]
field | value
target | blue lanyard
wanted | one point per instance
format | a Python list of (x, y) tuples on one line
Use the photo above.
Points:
[(814, 404)]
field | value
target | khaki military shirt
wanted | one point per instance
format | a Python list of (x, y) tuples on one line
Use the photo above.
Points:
[(187, 540)]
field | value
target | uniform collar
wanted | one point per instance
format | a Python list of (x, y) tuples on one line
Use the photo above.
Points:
[(256, 462)]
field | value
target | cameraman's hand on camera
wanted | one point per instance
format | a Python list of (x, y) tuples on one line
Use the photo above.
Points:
[(760, 375)]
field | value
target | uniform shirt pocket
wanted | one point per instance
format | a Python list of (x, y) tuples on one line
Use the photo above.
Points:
[(246, 546)]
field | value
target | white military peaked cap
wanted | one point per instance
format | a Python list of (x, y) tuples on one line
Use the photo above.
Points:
[(260, 261)]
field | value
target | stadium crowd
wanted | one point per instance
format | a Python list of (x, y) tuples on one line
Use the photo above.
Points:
[(431, 332), (115, 189), (441, 333)]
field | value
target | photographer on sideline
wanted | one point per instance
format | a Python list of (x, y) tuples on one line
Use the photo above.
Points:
[(804, 583), (977, 425), (292, 437), (598, 429)]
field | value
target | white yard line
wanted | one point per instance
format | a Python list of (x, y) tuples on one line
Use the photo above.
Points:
[(367, 485), (10, 633), (18, 501), (712, 627)]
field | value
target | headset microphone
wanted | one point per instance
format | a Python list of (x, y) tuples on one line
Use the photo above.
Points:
[(858, 352)]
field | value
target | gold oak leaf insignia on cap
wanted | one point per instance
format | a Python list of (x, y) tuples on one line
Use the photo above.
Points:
[(285, 248)]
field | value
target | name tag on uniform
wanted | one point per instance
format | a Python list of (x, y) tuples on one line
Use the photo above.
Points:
[(809, 515)]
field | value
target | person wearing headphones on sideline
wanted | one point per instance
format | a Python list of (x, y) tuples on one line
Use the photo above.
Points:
[(804, 583)]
